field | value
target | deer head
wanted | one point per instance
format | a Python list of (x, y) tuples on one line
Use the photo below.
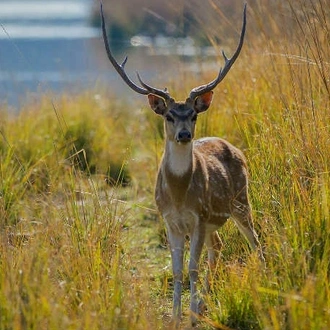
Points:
[(180, 117)]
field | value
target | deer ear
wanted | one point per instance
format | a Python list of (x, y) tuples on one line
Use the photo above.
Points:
[(157, 104), (202, 102)]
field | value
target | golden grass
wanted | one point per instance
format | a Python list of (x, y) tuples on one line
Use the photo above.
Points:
[(79, 254)]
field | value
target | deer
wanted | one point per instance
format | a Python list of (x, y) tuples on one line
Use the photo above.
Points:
[(200, 184)]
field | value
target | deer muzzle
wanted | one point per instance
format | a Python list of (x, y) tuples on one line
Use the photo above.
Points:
[(184, 136)]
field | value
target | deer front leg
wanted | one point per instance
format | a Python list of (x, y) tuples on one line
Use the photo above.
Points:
[(176, 241), (196, 246)]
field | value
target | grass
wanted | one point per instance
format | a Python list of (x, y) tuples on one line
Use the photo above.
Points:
[(78, 253)]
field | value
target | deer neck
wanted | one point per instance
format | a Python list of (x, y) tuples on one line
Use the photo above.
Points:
[(177, 169), (178, 159)]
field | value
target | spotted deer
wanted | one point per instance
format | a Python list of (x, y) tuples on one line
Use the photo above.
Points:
[(200, 184)]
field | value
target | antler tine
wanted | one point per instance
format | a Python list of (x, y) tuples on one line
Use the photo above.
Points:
[(223, 71), (162, 93), (120, 68)]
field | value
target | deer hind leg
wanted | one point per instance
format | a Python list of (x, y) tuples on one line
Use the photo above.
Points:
[(241, 213), (214, 246)]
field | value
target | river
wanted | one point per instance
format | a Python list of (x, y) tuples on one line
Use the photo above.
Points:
[(46, 46), (51, 46)]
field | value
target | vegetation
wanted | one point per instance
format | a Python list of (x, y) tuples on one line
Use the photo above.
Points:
[(78, 253), (175, 18)]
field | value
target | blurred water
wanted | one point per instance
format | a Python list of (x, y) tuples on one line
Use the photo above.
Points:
[(39, 19), (52, 46), (46, 46)]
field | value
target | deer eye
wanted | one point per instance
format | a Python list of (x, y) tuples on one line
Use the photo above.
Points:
[(169, 119)]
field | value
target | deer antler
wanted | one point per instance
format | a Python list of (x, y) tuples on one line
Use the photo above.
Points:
[(223, 71), (120, 68)]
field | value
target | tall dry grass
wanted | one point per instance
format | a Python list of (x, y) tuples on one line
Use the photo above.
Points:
[(77, 253)]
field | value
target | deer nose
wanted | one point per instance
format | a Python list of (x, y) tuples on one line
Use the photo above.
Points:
[(184, 136)]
